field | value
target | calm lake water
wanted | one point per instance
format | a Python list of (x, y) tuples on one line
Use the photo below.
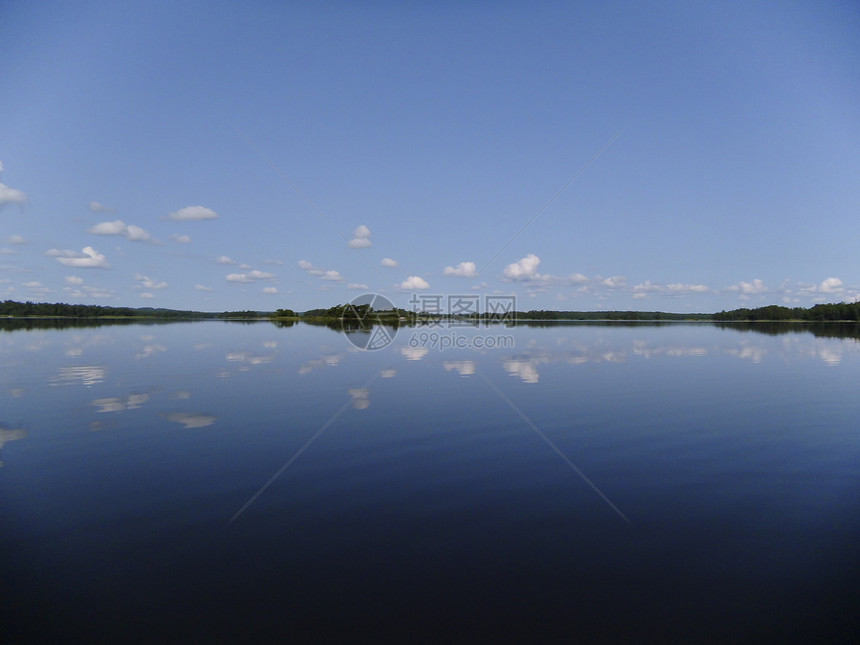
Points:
[(212, 482)]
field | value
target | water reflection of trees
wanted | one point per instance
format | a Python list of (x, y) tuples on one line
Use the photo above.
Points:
[(821, 329), (346, 325), (30, 324)]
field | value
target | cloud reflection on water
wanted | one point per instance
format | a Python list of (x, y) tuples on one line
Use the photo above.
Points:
[(192, 419), (9, 434), (80, 375)]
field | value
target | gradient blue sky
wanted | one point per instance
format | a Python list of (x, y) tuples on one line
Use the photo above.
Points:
[(148, 151)]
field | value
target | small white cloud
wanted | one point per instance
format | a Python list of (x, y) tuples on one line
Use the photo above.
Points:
[(109, 228), (246, 278), (614, 281), (223, 259), (388, 262), (96, 207), (270, 290), (332, 275), (463, 270), (90, 258), (10, 195), (524, 269), (193, 213), (182, 239), (148, 283), (5, 251), (749, 288), (414, 282), (147, 295), (136, 234), (360, 237), (89, 292), (73, 279), (200, 287), (356, 286), (831, 285), (118, 227), (16, 239)]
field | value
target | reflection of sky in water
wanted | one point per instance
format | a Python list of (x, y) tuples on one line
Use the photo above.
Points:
[(157, 438), (192, 420), (83, 375), (7, 435)]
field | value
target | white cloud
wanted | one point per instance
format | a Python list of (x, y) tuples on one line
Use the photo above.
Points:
[(246, 278), (73, 279), (118, 227), (5, 251), (357, 286), (89, 292), (614, 281), (749, 288), (182, 239), (109, 228), (414, 282), (193, 213), (687, 288), (136, 234), (96, 207), (200, 287), (332, 275), (148, 283), (463, 270), (388, 262), (360, 237), (270, 290), (90, 258), (223, 259), (10, 195), (16, 239), (146, 294), (831, 285), (524, 269)]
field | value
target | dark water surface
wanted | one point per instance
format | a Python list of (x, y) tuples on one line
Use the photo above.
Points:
[(592, 483)]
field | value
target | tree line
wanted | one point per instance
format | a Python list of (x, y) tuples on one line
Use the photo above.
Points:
[(365, 314), (62, 310), (818, 313)]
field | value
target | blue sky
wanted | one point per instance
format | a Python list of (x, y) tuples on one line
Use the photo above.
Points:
[(222, 156)]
